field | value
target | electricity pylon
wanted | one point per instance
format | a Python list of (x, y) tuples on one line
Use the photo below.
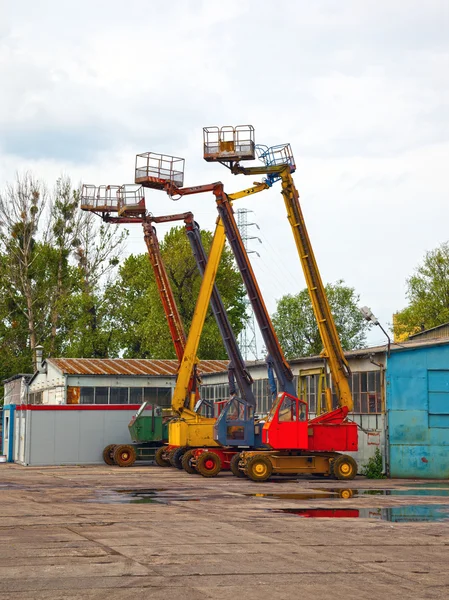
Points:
[(247, 337)]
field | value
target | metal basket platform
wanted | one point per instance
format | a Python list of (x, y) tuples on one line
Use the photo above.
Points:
[(229, 144), (276, 155), (131, 200), (99, 199), (159, 171)]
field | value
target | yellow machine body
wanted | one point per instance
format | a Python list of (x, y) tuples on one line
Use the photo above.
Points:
[(192, 430)]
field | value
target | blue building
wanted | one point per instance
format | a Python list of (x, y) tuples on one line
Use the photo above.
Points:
[(417, 403)]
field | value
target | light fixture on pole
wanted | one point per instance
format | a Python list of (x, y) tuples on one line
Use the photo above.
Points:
[(367, 314)]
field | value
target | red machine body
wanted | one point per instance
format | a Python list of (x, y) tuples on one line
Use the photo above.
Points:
[(288, 428)]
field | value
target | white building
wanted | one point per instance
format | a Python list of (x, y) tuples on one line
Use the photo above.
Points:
[(75, 407), (115, 381)]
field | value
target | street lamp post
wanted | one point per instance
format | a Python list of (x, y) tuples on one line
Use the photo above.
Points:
[(367, 313)]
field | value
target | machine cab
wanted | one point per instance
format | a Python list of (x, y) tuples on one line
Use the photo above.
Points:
[(235, 425), (287, 424)]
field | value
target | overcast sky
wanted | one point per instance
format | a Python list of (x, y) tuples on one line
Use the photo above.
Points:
[(360, 90)]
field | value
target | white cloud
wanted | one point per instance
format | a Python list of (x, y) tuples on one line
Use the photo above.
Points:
[(360, 90)]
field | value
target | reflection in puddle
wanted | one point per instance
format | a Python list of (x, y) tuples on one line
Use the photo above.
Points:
[(312, 495), (435, 484), (169, 496), (347, 493), (399, 514), (321, 513), (402, 492), (350, 493), (139, 499)]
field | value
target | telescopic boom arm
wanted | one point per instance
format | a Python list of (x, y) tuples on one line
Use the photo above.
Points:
[(333, 352), (206, 289), (165, 292), (237, 366), (276, 356)]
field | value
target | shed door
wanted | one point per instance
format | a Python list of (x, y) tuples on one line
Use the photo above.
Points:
[(438, 393)]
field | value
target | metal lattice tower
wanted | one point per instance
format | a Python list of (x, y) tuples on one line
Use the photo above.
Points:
[(247, 337)]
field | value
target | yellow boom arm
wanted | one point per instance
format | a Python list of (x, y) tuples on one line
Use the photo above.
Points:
[(199, 316), (333, 352)]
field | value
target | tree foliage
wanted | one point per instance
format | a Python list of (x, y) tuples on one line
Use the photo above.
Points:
[(21, 208), (53, 263), (62, 284), (138, 310), (296, 325), (427, 293)]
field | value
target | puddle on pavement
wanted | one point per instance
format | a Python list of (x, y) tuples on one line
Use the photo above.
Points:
[(14, 486), (142, 499), (347, 493), (166, 496), (143, 496), (148, 492), (399, 514)]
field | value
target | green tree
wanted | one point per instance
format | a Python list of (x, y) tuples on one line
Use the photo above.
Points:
[(427, 294), (296, 326), (55, 262), (21, 208), (138, 312), (66, 221), (14, 346), (88, 324)]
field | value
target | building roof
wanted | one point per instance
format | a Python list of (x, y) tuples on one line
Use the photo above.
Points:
[(424, 332), (128, 366), (26, 376), (365, 352), (398, 347)]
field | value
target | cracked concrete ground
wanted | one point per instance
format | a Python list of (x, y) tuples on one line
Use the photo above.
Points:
[(145, 532)]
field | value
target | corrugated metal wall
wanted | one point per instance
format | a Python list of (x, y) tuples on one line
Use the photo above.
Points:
[(418, 412), (68, 436)]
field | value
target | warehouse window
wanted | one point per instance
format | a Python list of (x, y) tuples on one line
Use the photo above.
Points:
[(118, 395), (262, 393), (87, 395), (222, 392), (101, 395), (366, 389), (207, 392), (158, 395), (150, 395), (164, 396), (35, 398), (311, 384), (135, 395), (366, 392), (261, 390)]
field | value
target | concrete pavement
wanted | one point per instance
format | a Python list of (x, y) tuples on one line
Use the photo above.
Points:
[(146, 532)]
